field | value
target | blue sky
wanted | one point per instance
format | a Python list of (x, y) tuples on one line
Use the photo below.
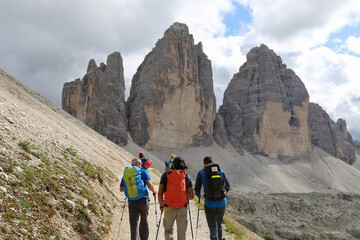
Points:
[(237, 20), (47, 43), (337, 39)]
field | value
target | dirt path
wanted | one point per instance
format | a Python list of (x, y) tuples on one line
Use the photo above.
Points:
[(124, 231)]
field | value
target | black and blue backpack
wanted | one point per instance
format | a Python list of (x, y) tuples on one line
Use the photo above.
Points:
[(215, 182)]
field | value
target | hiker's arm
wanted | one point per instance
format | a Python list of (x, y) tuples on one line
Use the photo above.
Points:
[(122, 185), (198, 184), (160, 195), (190, 193), (150, 186), (227, 183)]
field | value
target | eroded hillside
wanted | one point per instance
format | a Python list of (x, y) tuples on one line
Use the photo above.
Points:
[(55, 178)]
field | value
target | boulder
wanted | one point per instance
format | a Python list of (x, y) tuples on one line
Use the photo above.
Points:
[(98, 99), (172, 103), (265, 107)]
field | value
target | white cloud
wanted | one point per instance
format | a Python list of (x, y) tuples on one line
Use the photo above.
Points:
[(352, 44), (47, 43), (204, 17), (299, 25), (332, 81)]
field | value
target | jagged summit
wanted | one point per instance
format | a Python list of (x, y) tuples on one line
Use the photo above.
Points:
[(179, 28), (98, 99), (265, 107), (172, 101), (91, 66)]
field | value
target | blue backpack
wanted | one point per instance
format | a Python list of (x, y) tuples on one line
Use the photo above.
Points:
[(134, 185)]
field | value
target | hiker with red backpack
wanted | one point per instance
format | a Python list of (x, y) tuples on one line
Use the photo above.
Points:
[(216, 185), (145, 162), (175, 191), (135, 182)]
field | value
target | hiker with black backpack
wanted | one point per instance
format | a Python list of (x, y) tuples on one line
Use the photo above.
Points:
[(216, 185), (135, 182), (175, 191)]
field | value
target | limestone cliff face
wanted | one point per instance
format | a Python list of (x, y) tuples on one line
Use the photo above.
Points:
[(219, 134), (265, 107), (331, 137), (99, 98), (172, 101)]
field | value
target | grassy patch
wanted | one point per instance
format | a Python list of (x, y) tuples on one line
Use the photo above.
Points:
[(25, 146), (156, 172), (199, 205), (26, 204), (269, 235), (231, 227), (10, 169), (73, 152), (28, 147), (40, 191)]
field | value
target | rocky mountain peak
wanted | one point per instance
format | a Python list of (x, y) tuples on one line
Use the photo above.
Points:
[(343, 127), (264, 56), (177, 28), (99, 98), (114, 63), (172, 101), (265, 107), (91, 66)]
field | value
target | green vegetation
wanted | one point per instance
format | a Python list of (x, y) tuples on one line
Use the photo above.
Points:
[(48, 187), (25, 146), (199, 205), (73, 152), (232, 227), (156, 172)]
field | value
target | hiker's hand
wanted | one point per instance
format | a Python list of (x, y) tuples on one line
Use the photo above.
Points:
[(162, 208), (154, 193)]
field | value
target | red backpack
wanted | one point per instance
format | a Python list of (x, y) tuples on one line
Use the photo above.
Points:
[(176, 195)]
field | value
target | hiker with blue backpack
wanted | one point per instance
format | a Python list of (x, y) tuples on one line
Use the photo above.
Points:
[(135, 182), (216, 184)]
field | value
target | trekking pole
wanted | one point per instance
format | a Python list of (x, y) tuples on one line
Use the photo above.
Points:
[(192, 233), (155, 207), (121, 216), (157, 232), (197, 220)]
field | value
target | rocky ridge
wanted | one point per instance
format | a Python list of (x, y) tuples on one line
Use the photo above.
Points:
[(332, 137), (172, 105), (98, 99)]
